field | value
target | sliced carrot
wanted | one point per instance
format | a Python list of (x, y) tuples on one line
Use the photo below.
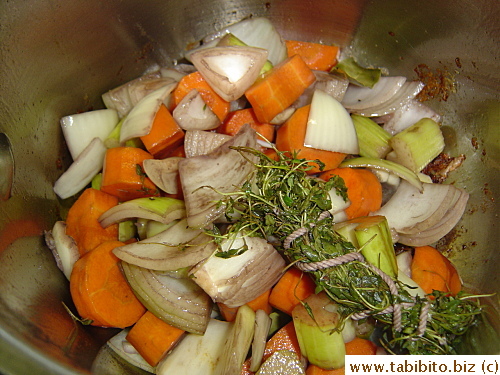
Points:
[(316, 56), (152, 337), (259, 303), (291, 135), (165, 135), (358, 346), (82, 221), (293, 287), (271, 153), (178, 151), (364, 190), (123, 176), (431, 270), (195, 81), (236, 119), (99, 290), (279, 88)]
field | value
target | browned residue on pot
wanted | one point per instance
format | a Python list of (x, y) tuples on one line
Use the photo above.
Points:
[(439, 83)]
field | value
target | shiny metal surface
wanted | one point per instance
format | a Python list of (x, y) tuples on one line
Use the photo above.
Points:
[(57, 57)]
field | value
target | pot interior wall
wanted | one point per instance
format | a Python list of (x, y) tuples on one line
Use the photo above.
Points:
[(57, 57)]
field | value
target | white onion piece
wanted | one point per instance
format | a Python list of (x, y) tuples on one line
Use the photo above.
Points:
[(262, 326), (163, 173), (329, 126), (260, 32), (206, 44), (140, 119), (283, 116), (239, 279), (407, 93), (192, 113), (338, 203), (406, 116), (358, 97), (81, 128), (404, 260), (125, 350), (410, 286), (82, 170), (334, 85), (63, 248), (231, 70), (198, 142)]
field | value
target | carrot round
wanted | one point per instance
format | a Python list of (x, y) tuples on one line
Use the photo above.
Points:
[(316, 56), (123, 176), (165, 135), (279, 88), (82, 221), (195, 81), (152, 337), (431, 270), (236, 119), (364, 190), (291, 135), (293, 287), (100, 292)]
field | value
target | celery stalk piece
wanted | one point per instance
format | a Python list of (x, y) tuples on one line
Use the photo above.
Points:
[(282, 362), (238, 343), (319, 335), (126, 230), (357, 74), (96, 182), (373, 140), (417, 145)]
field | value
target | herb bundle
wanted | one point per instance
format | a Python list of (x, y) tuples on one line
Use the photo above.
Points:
[(280, 199)]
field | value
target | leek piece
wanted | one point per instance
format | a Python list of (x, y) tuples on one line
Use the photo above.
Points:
[(357, 74), (372, 138), (126, 230), (385, 165), (282, 362), (113, 139), (374, 239), (317, 324), (329, 126), (238, 343), (262, 325), (96, 181), (417, 145)]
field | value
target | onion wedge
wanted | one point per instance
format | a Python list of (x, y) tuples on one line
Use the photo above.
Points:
[(192, 113), (231, 70), (164, 173), (176, 247), (63, 248), (358, 98), (205, 178), (329, 126), (82, 170), (406, 116), (178, 301), (197, 142), (140, 119)]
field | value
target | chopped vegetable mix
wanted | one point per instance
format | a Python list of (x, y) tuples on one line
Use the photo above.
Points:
[(270, 244)]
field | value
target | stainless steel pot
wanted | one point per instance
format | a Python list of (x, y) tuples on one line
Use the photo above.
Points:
[(57, 57)]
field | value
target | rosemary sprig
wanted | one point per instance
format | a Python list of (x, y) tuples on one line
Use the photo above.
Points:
[(281, 198)]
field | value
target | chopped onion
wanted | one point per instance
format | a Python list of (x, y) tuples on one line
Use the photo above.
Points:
[(283, 116), (334, 85), (163, 173), (63, 248), (179, 302), (197, 142), (82, 170), (205, 177), (125, 350), (262, 326), (329, 126), (176, 247), (260, 32), (410, 286), (140, 119), (404, 260), (162, 209), (80, 129), (230, 71), (192, 113), (358, 98), (386, 165), (239, 279)]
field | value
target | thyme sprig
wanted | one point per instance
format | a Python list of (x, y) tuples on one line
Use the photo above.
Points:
[(280, 198)]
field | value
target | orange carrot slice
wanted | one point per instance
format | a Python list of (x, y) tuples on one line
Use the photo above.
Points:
[(316, 56), (363, 190), (236, 119), (152, 337), (293, 287), (82, 221), (279, 88), (291, 135), (99, 290), (165, 135), (123, 176), (195, 81)]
